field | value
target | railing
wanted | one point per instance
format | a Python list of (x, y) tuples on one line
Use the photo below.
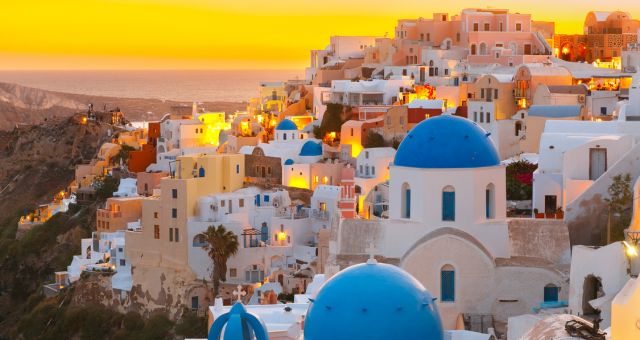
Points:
[(320, 214)]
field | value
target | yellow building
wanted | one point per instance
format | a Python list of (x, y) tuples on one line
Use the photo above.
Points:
[(163, 242)]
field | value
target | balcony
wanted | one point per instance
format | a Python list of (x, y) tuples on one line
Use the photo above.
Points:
[(320, 214), (103, 213)]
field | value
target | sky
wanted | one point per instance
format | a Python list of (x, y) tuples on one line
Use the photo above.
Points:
[(224, 34)]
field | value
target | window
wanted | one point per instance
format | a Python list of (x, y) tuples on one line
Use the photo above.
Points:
[(482, 93), (200, 172), (233, 272), (199, 241), (518, 27), (448, 204), (481, 117), (487, 26), (122, 262), (475, 116), (603, 110), (237, 168), (170, 234), (488, 117), (446, 71), (428, 36), (222, 203), (155, 214), (254, 274), (351, 132), (551, 293), (458, 37), (156, 232), (476, 27), (489, 201), (447, 284), (174, 212), (373, 170), (495, 93), (406, 201), (241, 203), (174, 193), (284, 136), (501, 26), (177, 234)]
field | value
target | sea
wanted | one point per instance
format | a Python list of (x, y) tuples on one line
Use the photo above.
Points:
[(179, 85)]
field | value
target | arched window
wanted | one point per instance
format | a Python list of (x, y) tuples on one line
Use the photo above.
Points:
[(489, 201), (448, 203), (284, 136), (199, 241), (447, 283), (551, 293), (483, 49), (201, 172), (406, 201), (264, 230)]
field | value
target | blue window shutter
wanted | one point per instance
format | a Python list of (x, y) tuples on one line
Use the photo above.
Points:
[(201, 172), (487, 200), (258, 200), (551, 294), (407, 200), (447, 286), (266, 198), (448, 206)]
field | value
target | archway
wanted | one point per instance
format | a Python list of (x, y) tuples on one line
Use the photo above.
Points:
[(591, 290)]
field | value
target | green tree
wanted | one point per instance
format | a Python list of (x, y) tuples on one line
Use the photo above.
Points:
[(374, 140), (123, 154), (221, 244), (106, 186), (620, 201)]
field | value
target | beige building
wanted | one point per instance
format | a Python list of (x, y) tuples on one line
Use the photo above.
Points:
[(117, 212)]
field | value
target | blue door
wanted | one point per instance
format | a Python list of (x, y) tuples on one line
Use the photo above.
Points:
[(258, 200), (447, 285), (264, 233), (448, 206), (201, 172)]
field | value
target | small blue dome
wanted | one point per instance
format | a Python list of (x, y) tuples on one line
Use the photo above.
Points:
[(311, 148), (447, 142), (286, 125), (373, 301), (289, 162), (238, 324)]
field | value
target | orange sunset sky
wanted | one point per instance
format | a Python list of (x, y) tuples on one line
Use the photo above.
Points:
[(217, 34)]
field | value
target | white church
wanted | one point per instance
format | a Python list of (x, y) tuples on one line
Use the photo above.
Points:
[(448, 228)]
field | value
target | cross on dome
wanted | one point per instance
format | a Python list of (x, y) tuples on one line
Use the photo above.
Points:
[(239, 293), (371, 250)]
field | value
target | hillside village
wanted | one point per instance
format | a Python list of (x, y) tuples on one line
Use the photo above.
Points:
[(480, 154)]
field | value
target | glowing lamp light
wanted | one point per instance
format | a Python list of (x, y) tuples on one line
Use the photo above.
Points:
[(631, 251), (565, 50), (282, 236)]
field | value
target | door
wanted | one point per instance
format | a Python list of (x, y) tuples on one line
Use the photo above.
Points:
[(527, 49), (422, 75), (597, 162), (194, 303), (550, 204)]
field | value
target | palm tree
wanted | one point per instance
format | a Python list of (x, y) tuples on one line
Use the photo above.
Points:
[(221, 244)]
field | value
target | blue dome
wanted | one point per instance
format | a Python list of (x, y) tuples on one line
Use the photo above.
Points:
[(373, 301), (238, 324), (286, 124), (289, 162), (447, 142), (311, 148)]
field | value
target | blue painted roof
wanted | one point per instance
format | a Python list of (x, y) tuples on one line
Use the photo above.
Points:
[(373, 301), (554, 111), (447, 142), (289, 162), (286, 125), (311, 148)]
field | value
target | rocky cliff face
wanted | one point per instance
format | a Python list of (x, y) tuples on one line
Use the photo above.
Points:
[(34, 99), (20, 105)]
